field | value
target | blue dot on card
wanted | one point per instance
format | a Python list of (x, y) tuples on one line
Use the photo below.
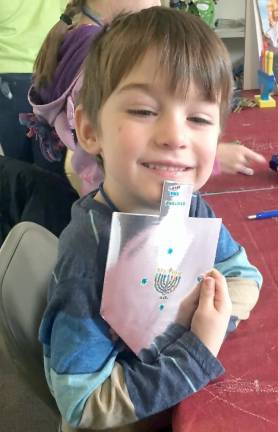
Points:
[(144, 281), (170, 251), (161, 307)]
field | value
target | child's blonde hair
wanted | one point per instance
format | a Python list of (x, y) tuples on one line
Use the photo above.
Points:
[(188, 51), (47, 58)]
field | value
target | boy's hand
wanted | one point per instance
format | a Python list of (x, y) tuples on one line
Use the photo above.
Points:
[(187, 308), (210, 321)]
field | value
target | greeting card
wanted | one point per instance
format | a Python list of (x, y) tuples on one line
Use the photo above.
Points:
[(153, 262)]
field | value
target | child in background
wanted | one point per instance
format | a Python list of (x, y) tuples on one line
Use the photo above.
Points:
[(156, 91), (23, 27), (56, 84)]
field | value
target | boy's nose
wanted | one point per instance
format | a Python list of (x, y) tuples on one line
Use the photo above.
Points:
[(173, 134)]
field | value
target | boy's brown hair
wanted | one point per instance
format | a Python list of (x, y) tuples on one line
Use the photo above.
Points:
[(188, 51)]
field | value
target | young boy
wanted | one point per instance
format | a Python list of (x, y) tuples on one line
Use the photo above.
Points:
[(156, 92)]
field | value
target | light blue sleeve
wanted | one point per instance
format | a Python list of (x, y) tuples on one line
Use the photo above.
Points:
[(238, 265)]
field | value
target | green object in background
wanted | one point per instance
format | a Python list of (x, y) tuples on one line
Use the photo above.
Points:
[(206, 9)]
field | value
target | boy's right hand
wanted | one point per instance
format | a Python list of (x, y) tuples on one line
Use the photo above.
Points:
[(211, 319)]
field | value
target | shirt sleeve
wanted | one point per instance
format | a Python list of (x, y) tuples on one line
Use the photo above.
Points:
[(244, 283)]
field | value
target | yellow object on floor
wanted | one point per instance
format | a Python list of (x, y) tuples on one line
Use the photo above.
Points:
[(265, 103)]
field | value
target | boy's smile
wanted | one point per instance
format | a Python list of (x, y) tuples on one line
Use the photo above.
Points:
[(167, 170), (147, 135)]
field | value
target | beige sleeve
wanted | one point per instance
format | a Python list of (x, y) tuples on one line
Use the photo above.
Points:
[(244, 294), (110, 404)]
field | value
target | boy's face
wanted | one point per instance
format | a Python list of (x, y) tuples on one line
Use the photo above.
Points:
[(147, 135)]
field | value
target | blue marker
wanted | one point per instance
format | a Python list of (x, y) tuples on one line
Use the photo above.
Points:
[(264, 215)]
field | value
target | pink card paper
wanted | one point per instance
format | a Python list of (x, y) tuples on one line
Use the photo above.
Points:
[(153, 262)]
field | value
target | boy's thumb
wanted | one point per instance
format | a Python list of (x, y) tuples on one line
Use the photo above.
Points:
[(207, 291)]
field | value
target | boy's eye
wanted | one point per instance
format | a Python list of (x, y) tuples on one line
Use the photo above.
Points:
[(141, 112), (200, 120)]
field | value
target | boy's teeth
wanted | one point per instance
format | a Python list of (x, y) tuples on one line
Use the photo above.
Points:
[(165, 168)]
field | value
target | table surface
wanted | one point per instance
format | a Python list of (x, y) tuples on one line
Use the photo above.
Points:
[(246, 397)]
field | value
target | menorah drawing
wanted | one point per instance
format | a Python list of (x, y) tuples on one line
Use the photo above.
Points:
[(266, 81), (166, 281)]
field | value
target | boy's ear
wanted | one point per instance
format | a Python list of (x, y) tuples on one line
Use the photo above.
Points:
[(86, 132)]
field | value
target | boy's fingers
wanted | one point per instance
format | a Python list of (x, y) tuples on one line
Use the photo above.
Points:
[(221, 287), (220, 280), (215, 274), (207, 291), (194, 295), (222, 297)]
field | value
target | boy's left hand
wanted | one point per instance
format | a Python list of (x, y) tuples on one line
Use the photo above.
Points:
[(188, 307)]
